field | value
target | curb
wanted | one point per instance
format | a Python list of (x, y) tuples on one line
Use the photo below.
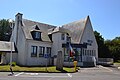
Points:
[(38, 71)]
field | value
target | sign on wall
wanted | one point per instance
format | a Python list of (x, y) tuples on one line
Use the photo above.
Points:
[(46, 55)]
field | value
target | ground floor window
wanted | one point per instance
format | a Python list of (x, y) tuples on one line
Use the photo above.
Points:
[(76, 56), (48, 51), (41, 51), (86, 52), (66, 55), (79, 52), (34, 51)]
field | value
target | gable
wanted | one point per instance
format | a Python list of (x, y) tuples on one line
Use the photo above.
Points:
[(76, 29), (88, 34), (36, 27)]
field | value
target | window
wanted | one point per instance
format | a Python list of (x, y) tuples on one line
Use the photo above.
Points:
[(36, 35), (41, 51), (77, 56), (66, 58), (66, 54), (90, 52), (67, 38), (94, 52), (85, 52), (48, 51), (34, 51), (62, 36)]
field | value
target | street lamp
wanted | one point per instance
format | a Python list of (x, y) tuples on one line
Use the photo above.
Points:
[(11, 26)]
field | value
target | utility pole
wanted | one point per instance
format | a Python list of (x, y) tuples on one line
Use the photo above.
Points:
[(11, 25)]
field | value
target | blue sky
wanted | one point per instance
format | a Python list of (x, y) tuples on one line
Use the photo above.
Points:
[(104, 14)]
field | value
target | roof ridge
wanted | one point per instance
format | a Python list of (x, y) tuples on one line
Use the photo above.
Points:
[(39, 22), (83, 19), (84, 28)]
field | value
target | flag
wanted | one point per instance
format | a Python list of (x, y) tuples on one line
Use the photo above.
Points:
[(71, 50)]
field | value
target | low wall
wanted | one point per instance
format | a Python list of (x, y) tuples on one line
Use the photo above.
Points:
[(105, 61)]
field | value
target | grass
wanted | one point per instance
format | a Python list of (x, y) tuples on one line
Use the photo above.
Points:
[(34, 69), (117, 63)]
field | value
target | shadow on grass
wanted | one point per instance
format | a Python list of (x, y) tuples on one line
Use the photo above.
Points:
[(63, 71)]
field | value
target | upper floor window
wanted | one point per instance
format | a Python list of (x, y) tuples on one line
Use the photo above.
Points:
[(36, 35), (34, 51), (62, 36)]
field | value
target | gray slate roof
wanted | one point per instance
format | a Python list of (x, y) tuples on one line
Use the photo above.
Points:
[(58, 29), (77, 29), (6, 46), (29, 25)]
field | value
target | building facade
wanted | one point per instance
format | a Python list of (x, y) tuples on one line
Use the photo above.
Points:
[(36, 42)]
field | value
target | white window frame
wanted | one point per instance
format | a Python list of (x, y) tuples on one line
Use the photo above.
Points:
[(41, 51), (34, 51)]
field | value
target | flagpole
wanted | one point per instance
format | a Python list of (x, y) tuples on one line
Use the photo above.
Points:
[(69, 57)]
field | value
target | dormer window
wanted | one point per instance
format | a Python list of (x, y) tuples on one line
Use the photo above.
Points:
[(36, 35)]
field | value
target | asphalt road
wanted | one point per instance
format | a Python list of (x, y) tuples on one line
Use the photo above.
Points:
[(95, 73)]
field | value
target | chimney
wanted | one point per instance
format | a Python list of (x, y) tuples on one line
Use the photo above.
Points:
[(18, 19), (18, 24)]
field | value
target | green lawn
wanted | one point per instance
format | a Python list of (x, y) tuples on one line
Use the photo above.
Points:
[(117, 62), (35, 69)]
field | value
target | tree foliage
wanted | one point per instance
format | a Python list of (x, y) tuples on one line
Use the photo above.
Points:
[(114, 47), (108, 48), (103, 50), (5, 30)]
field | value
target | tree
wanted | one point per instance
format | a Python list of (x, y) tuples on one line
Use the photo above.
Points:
[(5, 30), (114, 47), (103, 50)]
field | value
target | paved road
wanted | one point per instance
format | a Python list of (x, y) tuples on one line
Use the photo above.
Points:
[(96, 73)]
